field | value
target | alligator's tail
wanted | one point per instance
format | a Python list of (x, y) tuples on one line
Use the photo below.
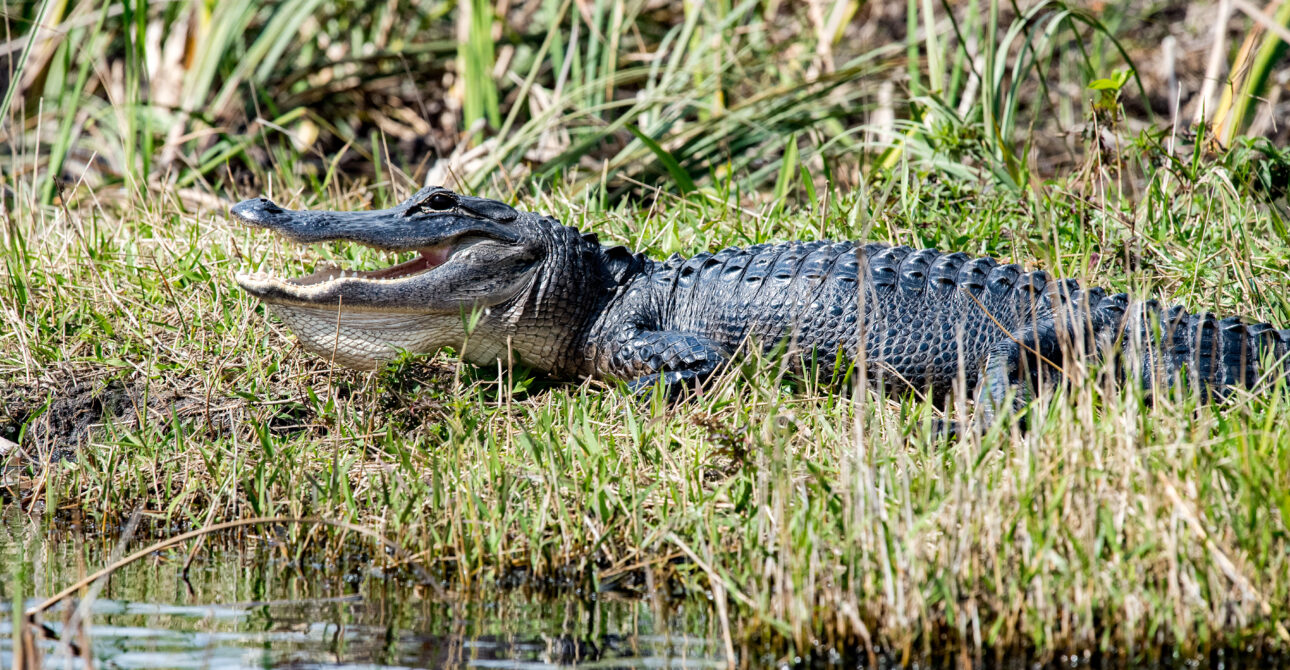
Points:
[(1166, 347), (1211, 355)]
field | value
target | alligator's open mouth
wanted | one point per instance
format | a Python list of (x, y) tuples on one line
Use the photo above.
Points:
[(327, 275), (426, 260)]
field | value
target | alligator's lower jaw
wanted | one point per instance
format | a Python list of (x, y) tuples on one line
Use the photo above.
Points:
[(361, 334), (363, 339)]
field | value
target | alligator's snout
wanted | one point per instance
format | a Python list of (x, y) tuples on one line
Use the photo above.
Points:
[(258, 212)]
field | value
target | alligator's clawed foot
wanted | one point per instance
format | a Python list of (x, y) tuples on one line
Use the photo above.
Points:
[(949, 430), (677, 385)]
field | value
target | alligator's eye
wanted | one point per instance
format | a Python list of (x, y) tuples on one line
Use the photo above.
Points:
[(441, 202)]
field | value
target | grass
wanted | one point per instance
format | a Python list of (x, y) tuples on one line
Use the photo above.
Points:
[(1111, 523), (811, 515)]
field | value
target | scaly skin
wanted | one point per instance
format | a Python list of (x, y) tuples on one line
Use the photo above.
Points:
[(913, 320)]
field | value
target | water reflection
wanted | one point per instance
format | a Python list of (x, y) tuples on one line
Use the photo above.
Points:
[(255, 610), (198, 644)]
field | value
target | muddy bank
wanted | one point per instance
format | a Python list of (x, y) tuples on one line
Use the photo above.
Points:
[(51, 417)]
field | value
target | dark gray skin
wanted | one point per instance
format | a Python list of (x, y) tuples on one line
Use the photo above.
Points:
[(557, 300)]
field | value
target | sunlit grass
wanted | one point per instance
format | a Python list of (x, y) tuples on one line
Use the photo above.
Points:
[(1108, 523)]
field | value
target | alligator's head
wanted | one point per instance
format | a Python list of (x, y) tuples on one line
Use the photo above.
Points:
[(477, 259)]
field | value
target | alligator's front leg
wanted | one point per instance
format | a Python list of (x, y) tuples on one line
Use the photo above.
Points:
[(677, 359)]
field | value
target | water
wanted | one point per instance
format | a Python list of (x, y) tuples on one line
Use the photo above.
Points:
[(258, 609), (240, 609)]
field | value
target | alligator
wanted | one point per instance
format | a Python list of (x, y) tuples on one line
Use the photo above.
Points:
[(499, 284)]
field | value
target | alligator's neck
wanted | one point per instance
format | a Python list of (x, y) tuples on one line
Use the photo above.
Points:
[(553, 325)]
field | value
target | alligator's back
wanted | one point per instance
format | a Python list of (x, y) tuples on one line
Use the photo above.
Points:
[(915, 319), (920, 314)]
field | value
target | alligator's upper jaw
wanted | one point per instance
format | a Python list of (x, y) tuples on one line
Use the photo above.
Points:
[(412, 224)]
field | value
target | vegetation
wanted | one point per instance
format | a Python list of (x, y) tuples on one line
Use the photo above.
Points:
[(136, 376)]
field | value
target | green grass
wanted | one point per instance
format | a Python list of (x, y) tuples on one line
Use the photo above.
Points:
[(814, 515), (1110, 523)]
